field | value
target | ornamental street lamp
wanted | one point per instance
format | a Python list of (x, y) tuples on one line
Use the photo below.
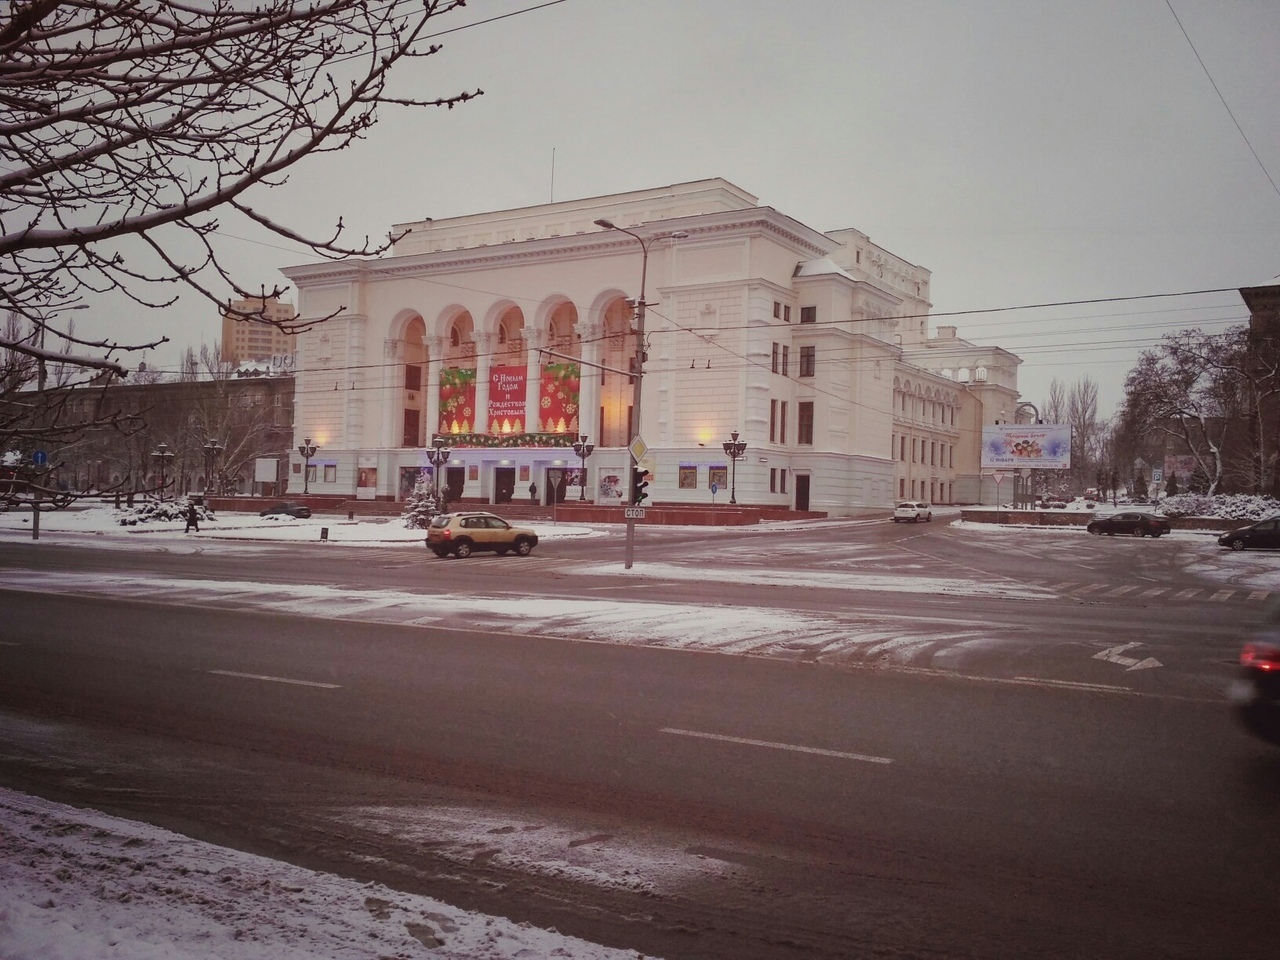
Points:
[(583, 450), (438, 456), (163, 456), (638, 362), (212, 449), (735, 450), (306, 450)]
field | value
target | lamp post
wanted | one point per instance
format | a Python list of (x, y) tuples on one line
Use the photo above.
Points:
[(306, 450), (583, 450), (438, 455), (638, 363), (212, 449), (163, 456), (735, 450)]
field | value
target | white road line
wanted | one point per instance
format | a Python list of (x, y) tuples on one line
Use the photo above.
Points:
[(1223, 595), (1063, 586), (1075, 685), (6, 643), (1259, 594), (1090, 588), (1153, 592), (777, 746), (1121, 591), (258, 676), (1185, 594)]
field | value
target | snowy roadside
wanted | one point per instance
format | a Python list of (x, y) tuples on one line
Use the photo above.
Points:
[(81, 885)]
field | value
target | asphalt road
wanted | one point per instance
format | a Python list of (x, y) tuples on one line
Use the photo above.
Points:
[(1039, 801)]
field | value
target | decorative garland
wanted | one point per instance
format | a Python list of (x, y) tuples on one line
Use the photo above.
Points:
[(510, 440)]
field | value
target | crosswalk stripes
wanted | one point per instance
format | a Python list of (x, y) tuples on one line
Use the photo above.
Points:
[(1137, 592)]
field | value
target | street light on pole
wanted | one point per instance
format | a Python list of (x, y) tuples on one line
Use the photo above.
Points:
[(735, 450), (438, 456), (163, 456), (582, 450), (212, 449), (306, 450), (638, 362)]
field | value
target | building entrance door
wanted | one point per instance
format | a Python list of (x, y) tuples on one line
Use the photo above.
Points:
[(504, 484), (802, 491), (455, 479)]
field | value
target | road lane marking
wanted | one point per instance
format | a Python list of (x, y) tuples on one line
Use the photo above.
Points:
[(1259, 594), (1090, 588), (1073, 684), (1185, 594), (6, 643), (258, 676), (1121, 591), (1113, 655), (1153, 592), (777, 746), (1223, 595)]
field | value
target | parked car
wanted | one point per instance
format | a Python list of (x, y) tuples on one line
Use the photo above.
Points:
[(1132, 523), (913, 510), (462, 534), (1265, 534), (286, 509), (1256, 695)]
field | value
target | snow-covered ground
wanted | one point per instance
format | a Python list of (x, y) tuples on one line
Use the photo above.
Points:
[(81, 885)]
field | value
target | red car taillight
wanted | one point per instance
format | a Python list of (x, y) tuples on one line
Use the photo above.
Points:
[(446, 534), (1260, 656)]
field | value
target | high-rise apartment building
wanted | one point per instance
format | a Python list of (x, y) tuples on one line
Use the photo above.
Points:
[(248, 340)]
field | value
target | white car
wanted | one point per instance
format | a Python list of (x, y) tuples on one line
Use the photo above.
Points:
[(913, 510)]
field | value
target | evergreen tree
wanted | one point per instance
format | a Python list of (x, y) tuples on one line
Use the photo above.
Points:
[(420, 507), (1171, 488)]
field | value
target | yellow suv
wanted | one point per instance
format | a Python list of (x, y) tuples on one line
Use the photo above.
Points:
[(463, 534)]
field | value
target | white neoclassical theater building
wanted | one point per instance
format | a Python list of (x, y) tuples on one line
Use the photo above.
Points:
[(511, 334)]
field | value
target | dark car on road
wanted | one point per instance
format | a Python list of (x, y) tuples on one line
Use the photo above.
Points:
[(286, 509), (1256, 694), (1132, 523), (1265, 534)]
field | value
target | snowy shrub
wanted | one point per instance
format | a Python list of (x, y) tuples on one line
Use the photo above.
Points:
[(420, 507), (1235, 506), (164, 511)]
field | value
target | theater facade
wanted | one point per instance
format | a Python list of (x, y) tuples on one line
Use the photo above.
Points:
[(512, 334)]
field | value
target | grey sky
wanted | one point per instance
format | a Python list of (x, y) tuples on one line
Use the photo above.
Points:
[(1023, 152)]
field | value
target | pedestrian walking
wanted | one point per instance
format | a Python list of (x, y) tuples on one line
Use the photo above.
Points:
[(193, 519), (533, 493)]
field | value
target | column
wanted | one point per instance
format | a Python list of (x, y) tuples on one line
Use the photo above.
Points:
[(533, 383), (435, 359), (592, 345), (484, 344)]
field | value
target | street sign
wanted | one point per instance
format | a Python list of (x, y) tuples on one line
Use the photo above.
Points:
[(39, 458), (997, 477), (633, 513), (714, 488), (638, 449)]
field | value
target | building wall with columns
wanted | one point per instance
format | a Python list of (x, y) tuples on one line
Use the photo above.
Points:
[(408, 346)]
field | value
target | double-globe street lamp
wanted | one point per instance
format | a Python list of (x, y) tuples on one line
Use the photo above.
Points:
[(306, 450), (735, 450), (212, 449), (638, 362), (582, 450), (163, 456), (438, 456)]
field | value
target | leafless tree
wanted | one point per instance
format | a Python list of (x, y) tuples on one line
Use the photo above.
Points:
[(133, 131), (1188, 388)]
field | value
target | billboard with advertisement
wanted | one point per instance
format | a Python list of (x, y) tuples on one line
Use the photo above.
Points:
[(1012, 445)]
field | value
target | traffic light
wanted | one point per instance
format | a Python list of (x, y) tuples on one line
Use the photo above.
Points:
[(638, 484)]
